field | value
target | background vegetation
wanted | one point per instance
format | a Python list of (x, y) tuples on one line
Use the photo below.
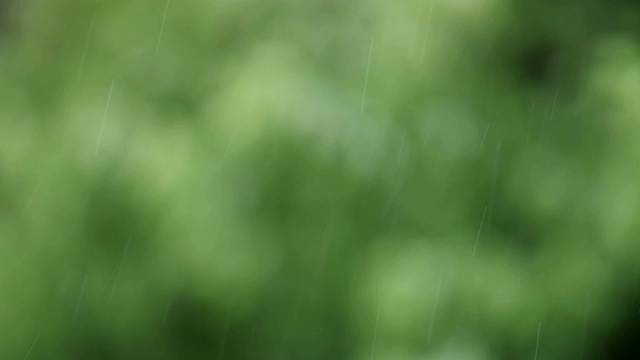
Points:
[(326, 179)]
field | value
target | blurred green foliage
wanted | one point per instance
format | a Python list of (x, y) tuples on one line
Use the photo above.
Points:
[(319, 179)]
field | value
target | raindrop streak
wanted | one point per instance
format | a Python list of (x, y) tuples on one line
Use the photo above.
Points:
[(31, 347), (366, 79), (375, 331), (537, 342), (426, 36), (485, 134), (435, 306), (164, 18), (415, 36), (404, 136), (86, 46), (394, 196), (84, 284), (115, 271), (533, 105), (494, 182), (104, 117), (553, 108), (479, 230), (124, 255)]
